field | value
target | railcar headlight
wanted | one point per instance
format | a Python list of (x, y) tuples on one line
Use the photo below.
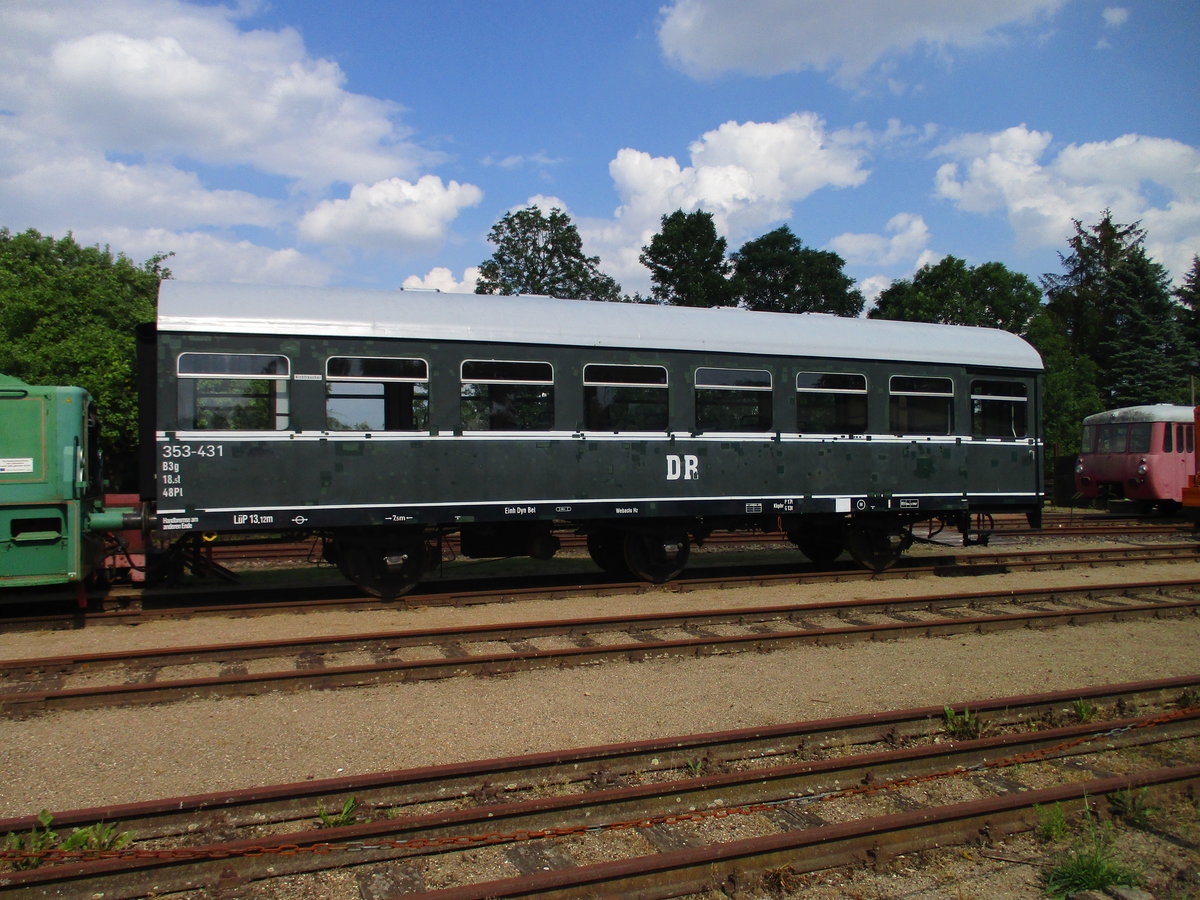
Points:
[(1142, 470), (1079, 468)]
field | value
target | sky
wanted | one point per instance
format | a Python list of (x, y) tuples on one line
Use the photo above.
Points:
[(374, 143)]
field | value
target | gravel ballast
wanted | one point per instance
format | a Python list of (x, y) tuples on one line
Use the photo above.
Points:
[(76, 759)]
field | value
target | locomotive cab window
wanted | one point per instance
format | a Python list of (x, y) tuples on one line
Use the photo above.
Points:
[(376, 394), (921, 405), (499, 395), (233, 391), (831, 403), (624, 398), (733, 400), (999, 409)]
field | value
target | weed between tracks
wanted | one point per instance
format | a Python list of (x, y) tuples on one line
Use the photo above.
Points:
[(96, 836)]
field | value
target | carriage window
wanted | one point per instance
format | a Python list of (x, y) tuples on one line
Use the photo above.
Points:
[(1168, 444), (733, 400), (498, 395), (376, 394), (233, 391), (831, 403), (921, 405), (999, 409), (1190, 432), (624, 398)]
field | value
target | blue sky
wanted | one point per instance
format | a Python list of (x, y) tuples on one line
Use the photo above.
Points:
[(375, 143)]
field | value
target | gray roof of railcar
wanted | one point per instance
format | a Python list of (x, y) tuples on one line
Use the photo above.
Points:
[(1158, 412), (352, 312)]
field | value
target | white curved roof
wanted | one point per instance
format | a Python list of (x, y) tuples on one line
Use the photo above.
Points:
[(1158, 412), (352, 312)]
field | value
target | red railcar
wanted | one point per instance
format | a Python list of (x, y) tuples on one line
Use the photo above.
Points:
[(1141, 453)]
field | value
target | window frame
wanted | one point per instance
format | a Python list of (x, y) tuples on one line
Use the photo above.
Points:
[(863, 392), (894, 407), (189, 397), (760, 427), (547, 421), (591, 384), (382, 381), (979, 397)]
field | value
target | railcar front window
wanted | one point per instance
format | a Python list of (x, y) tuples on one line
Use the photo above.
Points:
[(1168, 444), (921, 405), (831, 403), (1113, 438), (1139, 437), (999, 409), (733, 400), (233, 391), (498, 395), (624, 398), (1087, 443), (376, 394), (1190, 432)]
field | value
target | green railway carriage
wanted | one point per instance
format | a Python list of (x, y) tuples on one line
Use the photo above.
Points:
[(49, 484), (383, 420)]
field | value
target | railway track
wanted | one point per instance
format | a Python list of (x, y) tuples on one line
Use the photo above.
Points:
[(294, 598), (32, 686), (660, 818)]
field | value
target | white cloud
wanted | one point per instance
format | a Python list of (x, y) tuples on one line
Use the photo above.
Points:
[(162, 77), (705, 38), (747, 174), (1115, 16), (125, 118), (77, 190), (390, 212), (909, 238), (202, 256), (539, 160), (1154, 180), (442, 279)]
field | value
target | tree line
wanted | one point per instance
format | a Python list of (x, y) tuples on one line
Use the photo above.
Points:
[(1110, 329)]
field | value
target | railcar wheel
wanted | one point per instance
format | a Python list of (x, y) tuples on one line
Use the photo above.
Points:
[(607, 551), (386, 571), (877, 545), (821, 545), (656, 557)]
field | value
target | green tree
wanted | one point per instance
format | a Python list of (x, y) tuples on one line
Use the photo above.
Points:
[(953, 293), (1080, 299), (687, 262), (777, 273), (67, 316), (1143, 350), (1188, 312), (542, 254)]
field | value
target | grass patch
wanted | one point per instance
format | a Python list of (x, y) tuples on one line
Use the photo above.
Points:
[(1089, 864)]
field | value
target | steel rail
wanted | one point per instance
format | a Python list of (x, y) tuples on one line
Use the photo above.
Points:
[(387, 641), (694, 870), (284, 598), (181, 868), (28, 702), (597, 764)]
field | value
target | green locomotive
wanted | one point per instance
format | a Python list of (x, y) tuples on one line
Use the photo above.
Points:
[(51, 496), (384, 421)]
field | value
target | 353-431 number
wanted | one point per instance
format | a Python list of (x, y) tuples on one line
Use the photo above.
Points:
[(186, 451)]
